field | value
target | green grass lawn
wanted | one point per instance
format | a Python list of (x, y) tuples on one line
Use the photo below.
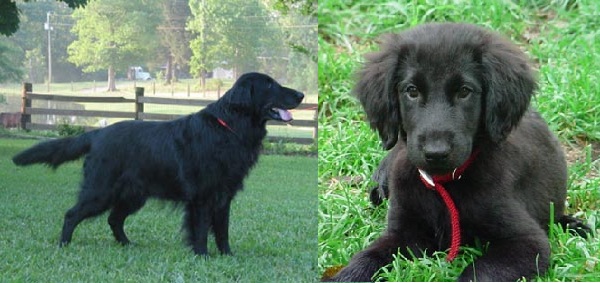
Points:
[(273, 230), (561, 37)]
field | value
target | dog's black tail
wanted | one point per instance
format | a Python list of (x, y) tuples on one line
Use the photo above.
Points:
[(55, 152)]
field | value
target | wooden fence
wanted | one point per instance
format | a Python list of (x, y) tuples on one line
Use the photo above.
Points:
[(28, 96)]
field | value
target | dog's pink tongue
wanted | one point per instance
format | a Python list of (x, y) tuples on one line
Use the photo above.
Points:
[(284, 114)]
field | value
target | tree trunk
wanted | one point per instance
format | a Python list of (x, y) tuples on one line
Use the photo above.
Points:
[(111, 79), (174, 78), (169, 70), (130, 74), (203, 79)]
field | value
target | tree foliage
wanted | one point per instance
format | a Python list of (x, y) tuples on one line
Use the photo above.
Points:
[(32, 39), (299, 24), (273, 36), (231, 34), (302, 7), (23, 21), (174, 37), (9, 14), (299, 14), (113, 35), (9, 69)]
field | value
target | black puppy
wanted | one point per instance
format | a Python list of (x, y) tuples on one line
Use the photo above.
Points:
[(474, 160), (200, 160)]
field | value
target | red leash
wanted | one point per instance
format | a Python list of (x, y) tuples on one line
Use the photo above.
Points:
[(436, 183)]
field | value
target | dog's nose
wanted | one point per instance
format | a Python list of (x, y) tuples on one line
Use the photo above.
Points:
[(436, 153), (299, 95)]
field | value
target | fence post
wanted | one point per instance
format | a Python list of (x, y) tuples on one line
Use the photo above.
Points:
[(315, 134), (25, 103), (139, 106)]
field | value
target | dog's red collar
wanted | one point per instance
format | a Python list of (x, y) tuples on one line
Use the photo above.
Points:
[(224, 124), (436, 183)]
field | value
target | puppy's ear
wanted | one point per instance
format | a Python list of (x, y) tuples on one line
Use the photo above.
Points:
[(376, 89), (509, 84)]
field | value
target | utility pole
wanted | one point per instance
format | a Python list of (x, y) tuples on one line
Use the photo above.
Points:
[(49, 28), (203, 57)]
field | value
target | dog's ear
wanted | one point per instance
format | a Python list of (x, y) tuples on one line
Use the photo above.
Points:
[(509, 83), (376, 89), (240, 95)]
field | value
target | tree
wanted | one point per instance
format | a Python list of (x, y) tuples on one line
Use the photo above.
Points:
[(303, 7), (27, 36), (9, 14), (8, 69), (298, 22), (32, 40), (300, 14), (202, 58), (113, 35), (174, 37), (229, 33)]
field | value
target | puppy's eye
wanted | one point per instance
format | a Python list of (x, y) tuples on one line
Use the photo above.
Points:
[(412, 92), (464, 92), (269, 85)]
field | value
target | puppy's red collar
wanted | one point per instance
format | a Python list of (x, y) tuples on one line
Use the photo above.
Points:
[(436, 183)]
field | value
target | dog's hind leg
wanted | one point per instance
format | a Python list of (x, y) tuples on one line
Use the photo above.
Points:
[(220, 224), (120, 211), (90, 204)]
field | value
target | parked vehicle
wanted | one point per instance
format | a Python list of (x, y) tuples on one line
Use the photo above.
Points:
[(137, 73)]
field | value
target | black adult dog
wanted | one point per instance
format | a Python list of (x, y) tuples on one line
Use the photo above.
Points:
[(200, 160), (472, 160)]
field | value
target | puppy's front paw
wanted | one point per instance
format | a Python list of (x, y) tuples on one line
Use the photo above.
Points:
[(575, 226)]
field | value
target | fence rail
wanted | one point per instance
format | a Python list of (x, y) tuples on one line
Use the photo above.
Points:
[(27, 110)]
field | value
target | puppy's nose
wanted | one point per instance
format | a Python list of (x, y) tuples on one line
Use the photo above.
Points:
[(436, 153), (299, 95)]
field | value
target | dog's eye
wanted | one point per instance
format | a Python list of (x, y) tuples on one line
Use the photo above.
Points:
[(269, 85), (412, 92), (464, 92)]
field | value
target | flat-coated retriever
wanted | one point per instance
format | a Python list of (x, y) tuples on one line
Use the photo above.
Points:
[(200, 160), (471, 159)]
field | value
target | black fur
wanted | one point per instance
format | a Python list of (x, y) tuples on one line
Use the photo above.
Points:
[(443, 90), (195, 160)]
